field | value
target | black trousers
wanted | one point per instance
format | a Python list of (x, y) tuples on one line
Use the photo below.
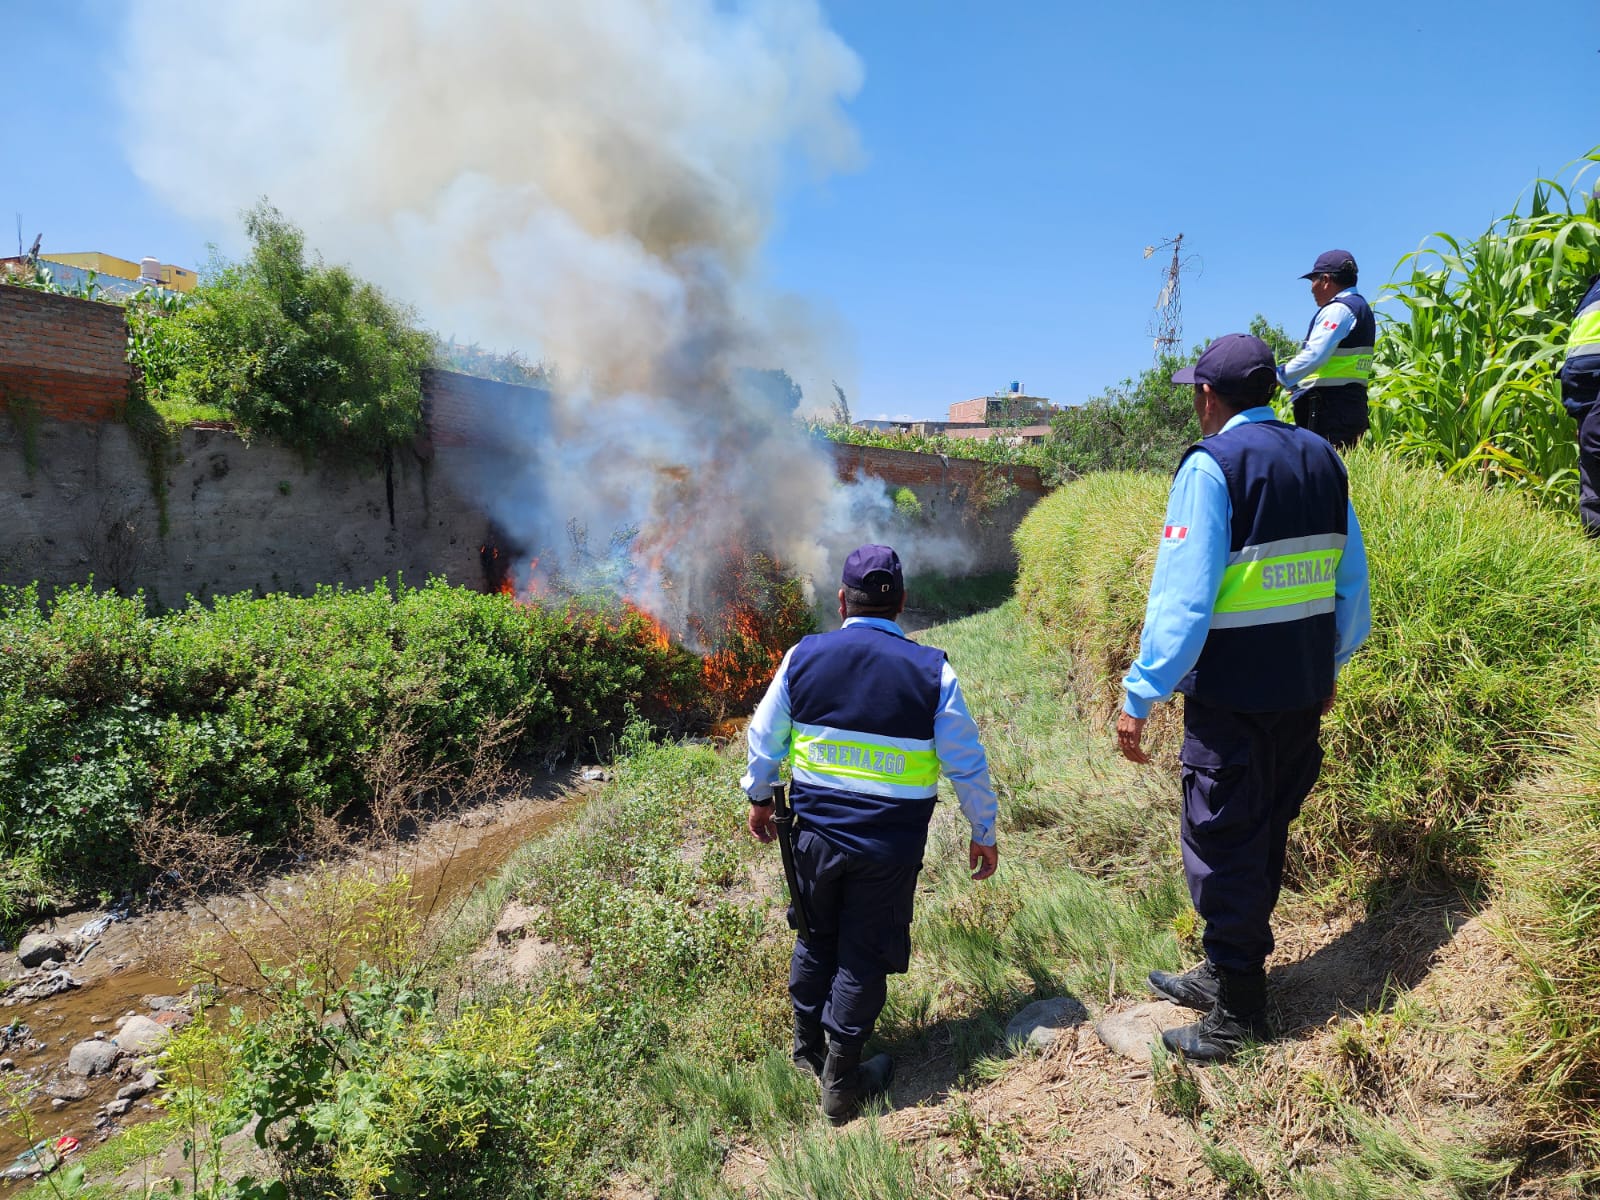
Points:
[(1589, 471), (1340, 420), (860, 914), (1245, 776)]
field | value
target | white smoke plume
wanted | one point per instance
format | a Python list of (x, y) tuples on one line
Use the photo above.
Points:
[(591, 180)]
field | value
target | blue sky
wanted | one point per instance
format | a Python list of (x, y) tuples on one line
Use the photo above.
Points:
[(1018, 157)]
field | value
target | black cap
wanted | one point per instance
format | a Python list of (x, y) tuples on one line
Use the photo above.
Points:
[(1228, 362), (876, 571), (1332, 262)]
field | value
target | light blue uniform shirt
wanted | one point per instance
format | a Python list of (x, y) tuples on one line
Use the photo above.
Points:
[(955, 741), (1188, 575), (1333, 324)]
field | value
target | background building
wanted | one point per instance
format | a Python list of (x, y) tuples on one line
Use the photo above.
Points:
[(112, 275)]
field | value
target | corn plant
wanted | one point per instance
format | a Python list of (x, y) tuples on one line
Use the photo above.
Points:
[(1467, 381)]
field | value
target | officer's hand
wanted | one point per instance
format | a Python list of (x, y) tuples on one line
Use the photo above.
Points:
[(1327, 705), (1130, 733), (989, 856), (762, 826)]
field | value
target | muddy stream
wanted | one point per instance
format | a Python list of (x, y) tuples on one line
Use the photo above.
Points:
[(131, 967)]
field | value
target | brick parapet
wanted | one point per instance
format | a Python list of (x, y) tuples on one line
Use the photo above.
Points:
[(63, 357), (910, 468), (464, 410)]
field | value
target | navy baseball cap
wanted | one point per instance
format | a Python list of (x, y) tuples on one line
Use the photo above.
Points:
[(1228, 362), (876, 571), (1331, 262)]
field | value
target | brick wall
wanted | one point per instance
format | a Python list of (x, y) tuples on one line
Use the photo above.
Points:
[(463, 410), (907, 468), (63, 358)]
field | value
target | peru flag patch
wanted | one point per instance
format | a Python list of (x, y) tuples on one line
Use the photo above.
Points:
[(1176, 533)]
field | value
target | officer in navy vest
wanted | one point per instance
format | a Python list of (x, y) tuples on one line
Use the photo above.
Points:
[(1258, 597), (1328, 377), (867, 719), (1580, 395)]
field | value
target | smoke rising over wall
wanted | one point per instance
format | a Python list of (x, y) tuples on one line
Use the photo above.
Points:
[(587, 180)]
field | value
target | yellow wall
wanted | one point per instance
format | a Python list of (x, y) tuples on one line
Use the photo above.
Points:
[(177, 279)]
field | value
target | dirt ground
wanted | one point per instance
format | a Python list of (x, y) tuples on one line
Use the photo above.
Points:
[(1079, 1112)]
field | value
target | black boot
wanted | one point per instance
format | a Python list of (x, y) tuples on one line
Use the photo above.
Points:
[(848, 1083), (810, 1050), (1238, 1017), (1195, 989)]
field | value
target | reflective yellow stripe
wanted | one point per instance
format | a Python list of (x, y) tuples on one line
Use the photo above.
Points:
[(864, 760), (1584, 336), (1346, 366), (1278, 582)]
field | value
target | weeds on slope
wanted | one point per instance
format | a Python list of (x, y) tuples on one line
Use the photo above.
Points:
[(1550, 912), (1486, 624)]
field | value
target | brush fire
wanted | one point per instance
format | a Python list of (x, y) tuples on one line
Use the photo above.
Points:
[(757, 610)]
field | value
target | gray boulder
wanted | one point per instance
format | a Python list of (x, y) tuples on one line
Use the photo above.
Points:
[(1043, 1021), (93, 1058), (141, 1086), (1131, 1031), (39, 948), (141, 1035), (67, 1089)]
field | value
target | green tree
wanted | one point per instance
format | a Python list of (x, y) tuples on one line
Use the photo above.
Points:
[(296, 349), (1142, 424)]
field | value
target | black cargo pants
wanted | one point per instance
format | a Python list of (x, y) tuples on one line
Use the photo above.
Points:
[(860, 914), (1244, 778)]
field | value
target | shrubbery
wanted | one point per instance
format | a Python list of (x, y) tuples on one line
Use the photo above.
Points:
[(293, 349), (1486, 625), (256, 715)]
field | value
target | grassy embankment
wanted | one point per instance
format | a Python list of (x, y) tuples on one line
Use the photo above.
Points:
[(653, 1038)]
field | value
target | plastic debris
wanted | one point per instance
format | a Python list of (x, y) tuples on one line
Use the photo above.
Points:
[(93, 929), (40, 1159)]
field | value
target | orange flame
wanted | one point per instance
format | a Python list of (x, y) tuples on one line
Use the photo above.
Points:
[(653, 633)]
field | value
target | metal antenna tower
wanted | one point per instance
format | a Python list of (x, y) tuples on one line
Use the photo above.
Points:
[(1166, 327)]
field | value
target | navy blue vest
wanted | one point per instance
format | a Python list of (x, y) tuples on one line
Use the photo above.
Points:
[(1363, 333), (868, 680), (1283, 482), (1580, 373)]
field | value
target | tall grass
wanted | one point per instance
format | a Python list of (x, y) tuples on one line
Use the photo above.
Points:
[(1466, 381), (1550, 910), (1486, 624)]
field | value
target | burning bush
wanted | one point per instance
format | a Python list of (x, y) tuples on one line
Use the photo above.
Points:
[(755, 610), (763, 613)]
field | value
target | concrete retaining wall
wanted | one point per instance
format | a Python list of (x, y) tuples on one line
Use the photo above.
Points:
[(77, 500), (239, 518)]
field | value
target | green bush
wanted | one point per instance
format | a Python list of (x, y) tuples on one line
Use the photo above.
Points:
[(1086, 552), (1486, 623), (907, 505), (255, 714), (1142, 424), (368, 1087), (297, 350), (620, 889)]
